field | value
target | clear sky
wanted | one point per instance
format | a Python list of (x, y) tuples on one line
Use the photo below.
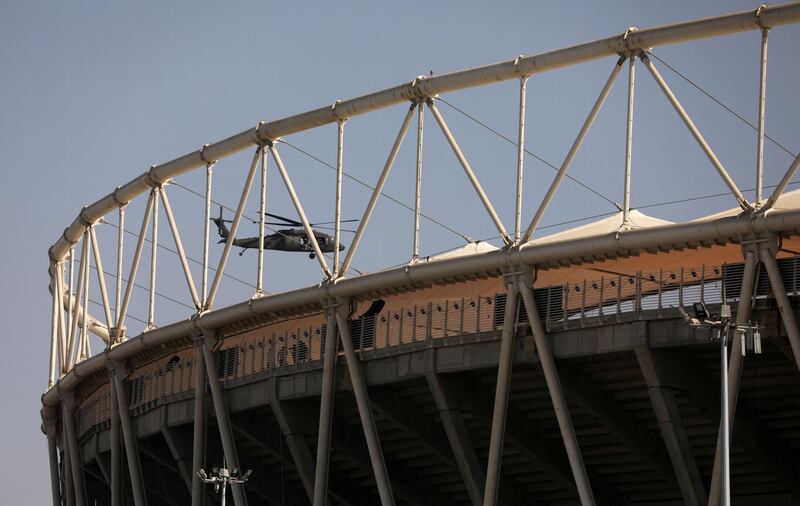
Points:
[(93, 93)]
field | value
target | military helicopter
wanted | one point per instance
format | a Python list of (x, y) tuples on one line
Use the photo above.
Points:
[(289, 239)]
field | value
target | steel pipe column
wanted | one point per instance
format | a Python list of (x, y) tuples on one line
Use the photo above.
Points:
[(52, 451), (325, 411), (129, 436), (364, 408), (557, 395), (225, 432), (116, 451), (502, 389), (69, 496), (784, 306), (199, 424), (68, 421), (734, 368)]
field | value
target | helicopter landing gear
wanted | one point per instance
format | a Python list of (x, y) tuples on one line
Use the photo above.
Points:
[(241, 252), (312, 256)]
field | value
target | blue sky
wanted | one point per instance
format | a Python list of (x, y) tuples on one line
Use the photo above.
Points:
[(94, 93)]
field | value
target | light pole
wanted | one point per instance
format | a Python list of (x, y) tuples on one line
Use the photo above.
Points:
[(221, 477), (751, 341)]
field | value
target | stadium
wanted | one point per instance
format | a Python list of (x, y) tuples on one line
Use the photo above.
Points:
[(589, 366)]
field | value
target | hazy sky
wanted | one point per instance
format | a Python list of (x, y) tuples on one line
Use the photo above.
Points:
[(92, 94)]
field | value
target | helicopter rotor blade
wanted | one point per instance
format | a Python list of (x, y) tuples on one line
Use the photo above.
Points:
[(284, 219), (330, 222), (331, 228), (280, 224)]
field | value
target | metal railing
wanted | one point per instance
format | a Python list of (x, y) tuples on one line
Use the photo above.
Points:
[(609, 298)]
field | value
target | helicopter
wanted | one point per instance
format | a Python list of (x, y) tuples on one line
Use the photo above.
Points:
[(289, 239)]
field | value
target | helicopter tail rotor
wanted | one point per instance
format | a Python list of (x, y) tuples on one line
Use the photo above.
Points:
[(222, 229)]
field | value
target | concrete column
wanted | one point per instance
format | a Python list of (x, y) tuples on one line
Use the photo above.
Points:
[(672, 430), (458, 437)]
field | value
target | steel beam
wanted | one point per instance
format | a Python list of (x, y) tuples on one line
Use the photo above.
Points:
[(101, 278), (573, 150), (418, 180), (364, 409), (376, 193), (337, 211), (225, 432), (206, 232), (458, 437), (187, 272), (237, 218), (557, 396), (312, 239), (564, 252), (498, 223), (151, 312), (762, 102), (120, 243), (643, 39), (734, 368), (523, 81), (729, 182), (137, 255), (672, 429), (502, 390), (54, 345), (626, 207), (73, 331), (262, 218), (778, 191), (321, 472), (177, 449)]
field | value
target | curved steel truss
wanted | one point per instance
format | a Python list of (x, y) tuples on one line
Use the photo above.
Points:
[(758, 229)]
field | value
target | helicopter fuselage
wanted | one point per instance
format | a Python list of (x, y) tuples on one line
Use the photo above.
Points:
[(291, 239)]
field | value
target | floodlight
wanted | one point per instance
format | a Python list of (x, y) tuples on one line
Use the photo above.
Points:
[(700, 311)]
